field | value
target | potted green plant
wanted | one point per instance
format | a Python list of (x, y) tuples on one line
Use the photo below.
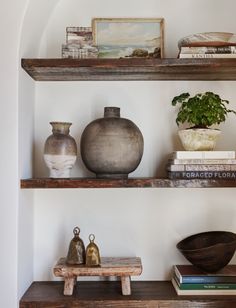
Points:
[(200, 112)]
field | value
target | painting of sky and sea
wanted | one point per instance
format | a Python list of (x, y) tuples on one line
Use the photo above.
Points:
[(120, 38)]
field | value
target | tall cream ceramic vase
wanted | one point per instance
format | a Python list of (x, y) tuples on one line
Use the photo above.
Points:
[(112, 146), (60, 150)]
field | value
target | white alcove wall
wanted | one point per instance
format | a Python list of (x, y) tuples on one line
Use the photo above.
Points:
[(35, 16), (17, 141), (9, 183), (128, 222)]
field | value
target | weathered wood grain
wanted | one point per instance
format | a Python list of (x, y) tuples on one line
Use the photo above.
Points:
[(148, 294), (125, 285), (124, 183), (69, 284), (130, 69), (109, 267)]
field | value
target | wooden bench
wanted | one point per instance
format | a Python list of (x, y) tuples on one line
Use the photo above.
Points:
[(121, 267)]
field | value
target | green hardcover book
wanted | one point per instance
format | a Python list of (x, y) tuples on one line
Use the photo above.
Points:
[(202, 292), (205, 286)]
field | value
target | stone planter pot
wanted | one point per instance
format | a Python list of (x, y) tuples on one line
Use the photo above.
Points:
[(60, 150), (199, 139), (111, 147)]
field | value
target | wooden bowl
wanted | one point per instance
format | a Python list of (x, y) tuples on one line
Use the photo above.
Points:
[(209, 251)]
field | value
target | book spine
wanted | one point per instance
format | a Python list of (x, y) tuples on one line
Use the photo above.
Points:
[(204, 154), (201, 161), (206, 279), (205, 55), (205, 286), (202, 279), (202, 292), (208, 286), (177, 274), (209, 49), (221, 175), (201, 167), (78, 29)]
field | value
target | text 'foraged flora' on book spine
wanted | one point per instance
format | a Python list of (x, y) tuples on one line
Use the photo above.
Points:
[(230, 175)]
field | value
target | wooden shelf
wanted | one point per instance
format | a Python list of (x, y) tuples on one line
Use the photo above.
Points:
[(108, 294), (127, 183), (130, 69)]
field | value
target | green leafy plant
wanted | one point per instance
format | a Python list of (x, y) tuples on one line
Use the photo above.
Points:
[(201, 110)]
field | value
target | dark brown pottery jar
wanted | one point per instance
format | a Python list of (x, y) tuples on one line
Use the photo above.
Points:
[(112, 146), (60, 150)]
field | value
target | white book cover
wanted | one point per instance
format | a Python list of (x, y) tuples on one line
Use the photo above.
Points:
[(201, 167), (201, 161), (208, 49), (204, 155), (207, 55)]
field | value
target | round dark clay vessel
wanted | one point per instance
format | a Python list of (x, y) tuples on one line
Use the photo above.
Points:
[(209, 251), (111, 147)]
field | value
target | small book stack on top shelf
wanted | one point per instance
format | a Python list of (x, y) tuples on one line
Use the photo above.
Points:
[(189, 280), (79, 43), (202, 165), (208, 45)]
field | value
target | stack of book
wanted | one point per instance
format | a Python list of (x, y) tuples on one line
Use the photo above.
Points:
[(202, 165), (79, 43), (188, 280), (208, 52), (208, 45)]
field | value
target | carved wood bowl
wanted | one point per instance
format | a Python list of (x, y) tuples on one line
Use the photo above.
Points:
[(209, 251)]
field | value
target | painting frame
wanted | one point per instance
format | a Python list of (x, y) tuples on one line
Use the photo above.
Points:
[(100, 26)]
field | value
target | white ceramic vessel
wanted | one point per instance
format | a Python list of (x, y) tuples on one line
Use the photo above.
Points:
[(199, 139), (60, 150)]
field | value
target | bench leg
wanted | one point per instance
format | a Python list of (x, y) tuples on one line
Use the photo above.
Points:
[(125, 285), (69, 285)]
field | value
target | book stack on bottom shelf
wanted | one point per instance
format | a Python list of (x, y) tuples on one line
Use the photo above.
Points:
[(189, 280), (202, 165)]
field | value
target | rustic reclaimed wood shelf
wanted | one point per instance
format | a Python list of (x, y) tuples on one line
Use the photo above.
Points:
[(130, 69), (125, 183), (106, 294), (118, 267)]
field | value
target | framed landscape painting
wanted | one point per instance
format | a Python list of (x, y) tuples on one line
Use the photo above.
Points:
[(129, 37)]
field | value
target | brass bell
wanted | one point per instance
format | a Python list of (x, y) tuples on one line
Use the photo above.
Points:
[(92, 253), (76, 252)]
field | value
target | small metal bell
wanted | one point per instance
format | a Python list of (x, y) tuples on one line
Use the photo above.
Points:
[(92, 253), (76, 252)]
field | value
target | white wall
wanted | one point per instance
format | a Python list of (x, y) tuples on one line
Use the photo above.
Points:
[(35, 18), (10, 26), (128, 222), (181, 18), (142, 222)]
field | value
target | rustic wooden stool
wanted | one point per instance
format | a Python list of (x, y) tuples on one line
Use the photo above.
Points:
[(122, 267)]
